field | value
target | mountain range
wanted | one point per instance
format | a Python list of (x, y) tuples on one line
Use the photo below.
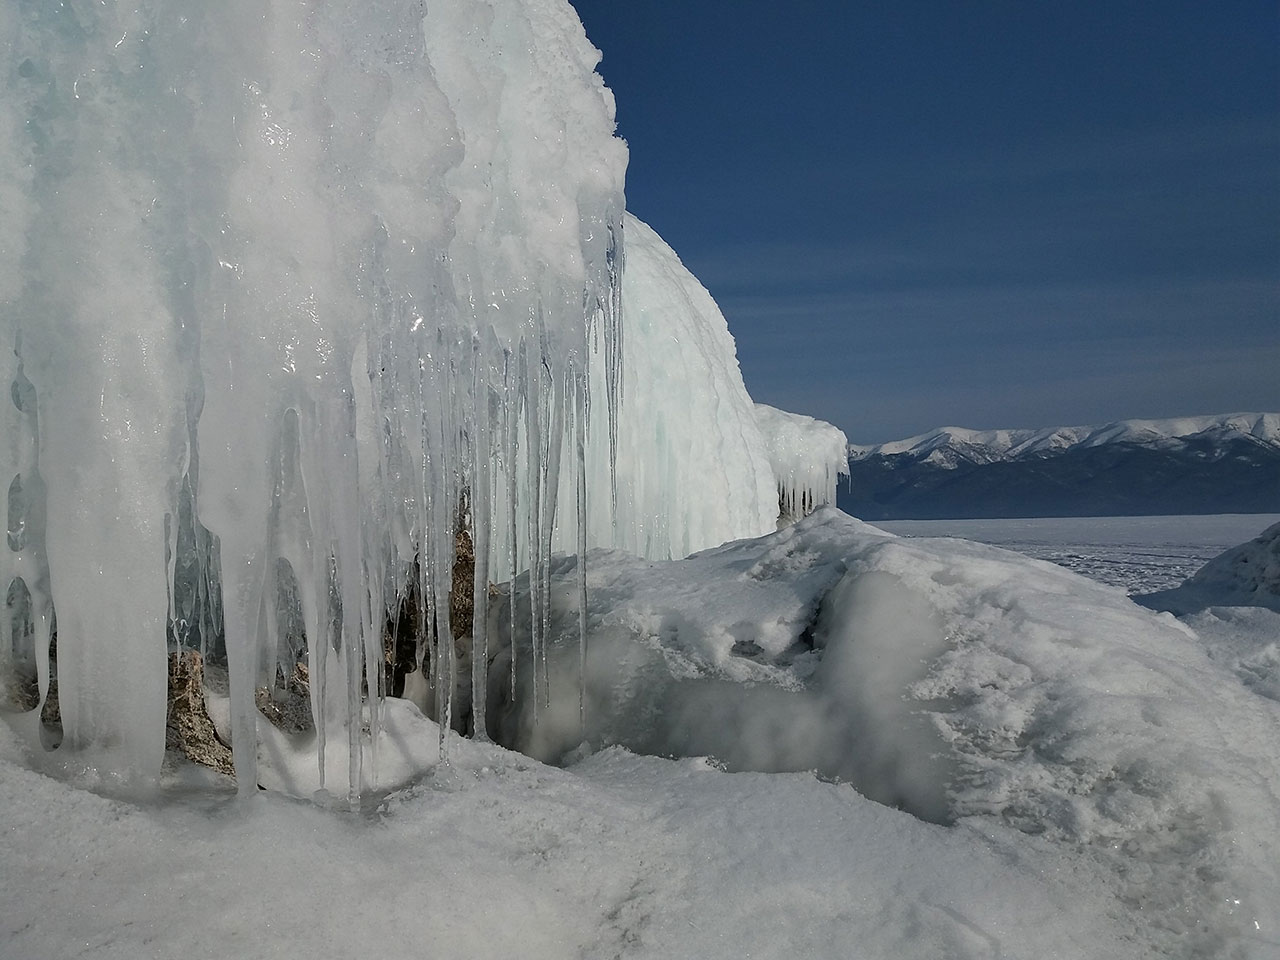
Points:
[(1228, 463)]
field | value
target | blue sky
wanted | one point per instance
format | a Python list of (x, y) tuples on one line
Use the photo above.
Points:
[(984, 213)]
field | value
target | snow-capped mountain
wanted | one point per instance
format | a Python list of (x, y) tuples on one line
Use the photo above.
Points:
[(1228, 463), (949, 446)]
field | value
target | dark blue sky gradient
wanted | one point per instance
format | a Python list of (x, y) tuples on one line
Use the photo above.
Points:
[(985, 213)]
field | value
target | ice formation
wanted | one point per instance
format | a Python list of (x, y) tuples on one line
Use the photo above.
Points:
[(695, 470), (699, 462), (288, 288), (290, 294), (807, 457)]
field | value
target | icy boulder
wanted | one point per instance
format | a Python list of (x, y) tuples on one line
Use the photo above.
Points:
[(1247, 575), (961, 682)]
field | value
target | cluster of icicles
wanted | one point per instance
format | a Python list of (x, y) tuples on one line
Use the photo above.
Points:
[(291, 295)]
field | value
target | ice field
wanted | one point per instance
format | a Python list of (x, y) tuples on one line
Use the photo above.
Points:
[(1140, 554)]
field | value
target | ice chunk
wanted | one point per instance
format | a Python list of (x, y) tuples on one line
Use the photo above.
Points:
[(808, 457)]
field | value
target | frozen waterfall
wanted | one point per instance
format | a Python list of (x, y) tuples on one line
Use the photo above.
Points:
[(293, 296)]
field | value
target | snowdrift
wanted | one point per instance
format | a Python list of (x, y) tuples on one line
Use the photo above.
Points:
[(1099, 780), (960, 682), (1247, 575)]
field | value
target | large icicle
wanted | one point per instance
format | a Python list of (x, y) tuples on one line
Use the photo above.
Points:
[(299, 244)]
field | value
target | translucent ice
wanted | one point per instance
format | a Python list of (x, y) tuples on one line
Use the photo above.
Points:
[(285, 287)]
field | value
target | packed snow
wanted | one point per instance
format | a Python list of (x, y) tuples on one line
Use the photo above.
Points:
[(496, 856)]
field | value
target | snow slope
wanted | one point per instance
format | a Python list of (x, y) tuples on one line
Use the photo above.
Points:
[(963, 683)]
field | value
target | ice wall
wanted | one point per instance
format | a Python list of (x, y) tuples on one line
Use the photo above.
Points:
[(285, 287), (693, 465)]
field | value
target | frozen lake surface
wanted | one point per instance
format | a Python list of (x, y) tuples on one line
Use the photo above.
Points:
[(1140, 554)]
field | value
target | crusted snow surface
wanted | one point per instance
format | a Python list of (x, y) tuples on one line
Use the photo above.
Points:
[(963, 683), (1244, 640), (1099, 780), (1247, 575), (494, 855)]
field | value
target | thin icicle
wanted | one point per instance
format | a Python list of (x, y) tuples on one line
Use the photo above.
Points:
[(511, 412), (531, 378), (554, 433), (481, 522), (579, 435)]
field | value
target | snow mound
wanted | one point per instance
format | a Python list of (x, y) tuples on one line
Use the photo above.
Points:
[(961, 682), (1247, 575)]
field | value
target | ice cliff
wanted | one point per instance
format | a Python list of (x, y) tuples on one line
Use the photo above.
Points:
[(289, 292)]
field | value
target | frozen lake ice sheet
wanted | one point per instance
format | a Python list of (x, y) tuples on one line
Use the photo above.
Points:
[(1140, 554)]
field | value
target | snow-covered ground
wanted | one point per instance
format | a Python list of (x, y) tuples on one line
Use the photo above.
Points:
[(1100, 777), (497, 856)]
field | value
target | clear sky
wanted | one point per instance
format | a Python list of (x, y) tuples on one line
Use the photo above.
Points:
[(983, 213)]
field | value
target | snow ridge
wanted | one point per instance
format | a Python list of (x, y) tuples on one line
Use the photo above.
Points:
[(950, 446)]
